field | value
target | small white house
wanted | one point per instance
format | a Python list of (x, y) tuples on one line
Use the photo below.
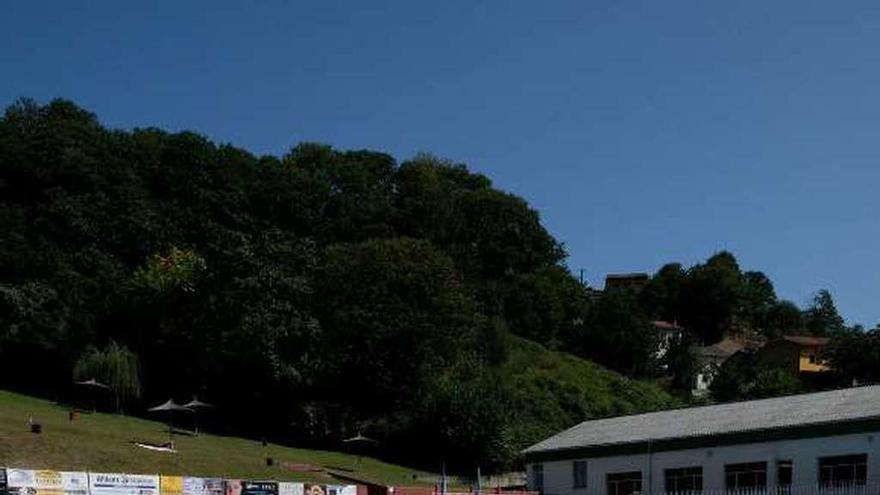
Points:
[(666, 334), (709, 361), (819, 443)]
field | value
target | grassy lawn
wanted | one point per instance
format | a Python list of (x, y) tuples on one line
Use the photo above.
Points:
[(102, 443)]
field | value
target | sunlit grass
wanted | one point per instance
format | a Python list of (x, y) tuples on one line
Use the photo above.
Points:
[(102, 443)]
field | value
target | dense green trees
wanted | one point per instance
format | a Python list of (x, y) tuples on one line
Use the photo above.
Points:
[(308, 296), (716, 297), (617, 334), (821, 317), (327, 291), (744, 377), (855, 354)]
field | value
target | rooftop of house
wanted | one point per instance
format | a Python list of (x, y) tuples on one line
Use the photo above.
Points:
[(666, 325), (779, 413), (806, 340), (627, 276), (723, 349)]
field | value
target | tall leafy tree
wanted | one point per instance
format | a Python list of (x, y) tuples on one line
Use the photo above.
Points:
[(115, 366), (546, 306), (618, 335), (758, 301), (394, 312), (821, 317), (662, 296), (350, 193), (784, 318), (712, 296), (855, 355)]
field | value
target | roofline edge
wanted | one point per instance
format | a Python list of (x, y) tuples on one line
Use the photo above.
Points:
[(811, 430)]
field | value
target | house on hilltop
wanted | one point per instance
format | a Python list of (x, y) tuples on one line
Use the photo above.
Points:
[(667, 333), (797, 353), (709, 360), (628, 281), (809, 444)]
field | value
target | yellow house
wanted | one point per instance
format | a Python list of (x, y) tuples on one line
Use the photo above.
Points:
[(798, 353)]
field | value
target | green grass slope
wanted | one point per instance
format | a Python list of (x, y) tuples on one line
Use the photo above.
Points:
[(552, 391), (555, 391), (102, 443)]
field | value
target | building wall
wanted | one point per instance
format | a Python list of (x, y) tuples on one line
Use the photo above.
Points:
[(782, 354), (804, 454), (805, 365)]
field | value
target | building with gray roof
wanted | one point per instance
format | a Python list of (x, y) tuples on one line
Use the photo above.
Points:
[(809, 440)]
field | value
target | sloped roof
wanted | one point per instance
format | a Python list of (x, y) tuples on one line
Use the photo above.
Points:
[(635, 275), (721, 350), (806, 340), (834, 406), (666, 325)]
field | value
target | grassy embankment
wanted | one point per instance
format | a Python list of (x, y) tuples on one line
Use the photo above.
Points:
[(552, 391), (102, 443)]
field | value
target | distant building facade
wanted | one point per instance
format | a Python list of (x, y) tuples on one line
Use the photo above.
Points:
[(628, 281), (797, 353), (667, 333), (709, 361)]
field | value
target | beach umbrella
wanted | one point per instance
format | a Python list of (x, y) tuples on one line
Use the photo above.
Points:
[(360, 441), (95, 386), (194, 405), (169, 407), (93, 383)]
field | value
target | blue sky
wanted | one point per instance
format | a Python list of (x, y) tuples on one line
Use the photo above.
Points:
[(644, 132)]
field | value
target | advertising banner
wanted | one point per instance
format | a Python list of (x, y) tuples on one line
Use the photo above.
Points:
[(45, 482), (123, 484), (341, 490), (202, 486), (315, 490), (259, 488), (171, 485), (285, 488)]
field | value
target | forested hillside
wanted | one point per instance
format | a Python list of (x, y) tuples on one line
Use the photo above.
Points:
[(309, 296)]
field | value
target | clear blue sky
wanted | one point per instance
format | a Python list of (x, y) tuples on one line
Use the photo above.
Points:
[(644, 132)]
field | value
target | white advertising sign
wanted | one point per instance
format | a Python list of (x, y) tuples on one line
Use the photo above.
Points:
[(202, 486), (123, 484), (341, 490)]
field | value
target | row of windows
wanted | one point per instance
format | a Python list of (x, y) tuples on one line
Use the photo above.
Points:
[(833, 471)]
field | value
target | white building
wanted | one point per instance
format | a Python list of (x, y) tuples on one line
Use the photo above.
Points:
[(710, 359), (667, 333), (827, 442)]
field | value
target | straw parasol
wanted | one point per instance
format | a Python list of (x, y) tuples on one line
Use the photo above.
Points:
[(94, 385), (194, 405), (360, 441), (169, 406)]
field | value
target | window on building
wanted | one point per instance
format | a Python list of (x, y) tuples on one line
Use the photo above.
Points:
[(812, 358), (783, 476), (688, 479), (579, 474), (538, 476), (745, 475), (843, 470), (624, 483)]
